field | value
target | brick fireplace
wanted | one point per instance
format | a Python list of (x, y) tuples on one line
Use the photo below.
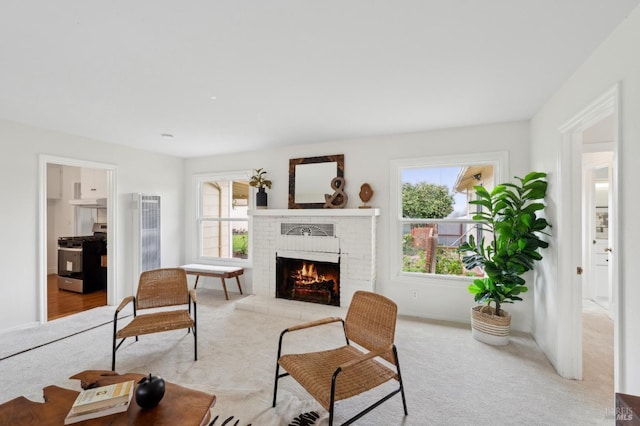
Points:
[(343, 236)]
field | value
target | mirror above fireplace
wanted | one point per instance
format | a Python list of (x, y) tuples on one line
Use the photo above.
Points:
[(310, 178)]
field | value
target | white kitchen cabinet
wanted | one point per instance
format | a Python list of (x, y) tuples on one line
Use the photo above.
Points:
[(54, 181), (93, 183)]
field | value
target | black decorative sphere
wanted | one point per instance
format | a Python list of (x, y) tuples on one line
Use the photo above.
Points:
[(149, 391)]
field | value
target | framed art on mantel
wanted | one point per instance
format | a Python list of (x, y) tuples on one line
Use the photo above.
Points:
[(310, 178)]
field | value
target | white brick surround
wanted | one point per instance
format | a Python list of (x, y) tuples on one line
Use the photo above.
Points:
[(354, 241)]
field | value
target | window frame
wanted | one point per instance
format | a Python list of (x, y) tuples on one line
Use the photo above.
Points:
[(199, 180), (498, 159)]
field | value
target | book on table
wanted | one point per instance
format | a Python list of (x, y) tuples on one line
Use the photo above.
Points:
[(101, 401)]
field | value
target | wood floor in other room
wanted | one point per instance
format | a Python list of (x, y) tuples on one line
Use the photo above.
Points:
[(61, 303)]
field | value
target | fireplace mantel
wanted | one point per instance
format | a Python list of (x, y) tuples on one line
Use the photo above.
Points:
[(350, 235), (316, 212)]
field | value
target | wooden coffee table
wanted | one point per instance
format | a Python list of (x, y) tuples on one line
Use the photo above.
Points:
[(179, 405)]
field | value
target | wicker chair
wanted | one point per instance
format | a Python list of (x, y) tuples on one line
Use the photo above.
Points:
[(156, 289), (336, 374)]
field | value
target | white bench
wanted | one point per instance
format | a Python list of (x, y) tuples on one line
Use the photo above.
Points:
[(221, 272)]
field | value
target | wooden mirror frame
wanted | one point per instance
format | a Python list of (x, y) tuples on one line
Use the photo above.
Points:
[(338, 159)]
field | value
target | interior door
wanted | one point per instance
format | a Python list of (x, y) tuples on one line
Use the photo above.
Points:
[(601, 290), (579, 136)]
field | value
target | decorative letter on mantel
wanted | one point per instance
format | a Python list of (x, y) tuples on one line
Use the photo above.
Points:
[(309, 179), (339, 198)]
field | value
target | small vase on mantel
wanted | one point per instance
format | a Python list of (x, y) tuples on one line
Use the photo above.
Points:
[(258, 180), (261, 199)]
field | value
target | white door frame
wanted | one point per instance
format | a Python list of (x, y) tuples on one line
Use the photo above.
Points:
[(572, 254), (112, 203)]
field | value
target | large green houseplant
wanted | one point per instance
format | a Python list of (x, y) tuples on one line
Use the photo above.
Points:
[(509, 215)]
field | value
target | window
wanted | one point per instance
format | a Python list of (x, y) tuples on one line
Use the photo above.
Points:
[(430, 198), (223, 223)]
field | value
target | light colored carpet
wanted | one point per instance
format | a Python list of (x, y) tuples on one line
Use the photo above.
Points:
[(18, 341), (450, 378), (597, 350)]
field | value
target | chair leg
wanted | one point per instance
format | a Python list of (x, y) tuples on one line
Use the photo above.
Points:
[(113, 348), (278, 375), (331, 415), (332, 401), (195, 333), (375, 404), (113, 355), (275, 384), (404, 400)]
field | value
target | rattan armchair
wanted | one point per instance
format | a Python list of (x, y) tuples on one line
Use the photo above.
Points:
[(340, 373), (158, 288)]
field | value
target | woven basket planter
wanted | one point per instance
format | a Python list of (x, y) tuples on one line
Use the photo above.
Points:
[(489, 328)]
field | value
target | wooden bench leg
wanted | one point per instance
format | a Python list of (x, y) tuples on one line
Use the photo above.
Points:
[(239, 286), (224, 287)]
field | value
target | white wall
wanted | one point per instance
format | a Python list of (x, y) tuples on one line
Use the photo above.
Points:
[(368, 160), (137, 171), (616, 60)]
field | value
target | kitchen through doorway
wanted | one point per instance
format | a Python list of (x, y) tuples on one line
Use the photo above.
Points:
[(76, 238)]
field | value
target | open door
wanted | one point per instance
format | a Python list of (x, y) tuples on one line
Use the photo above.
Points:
[(598, 241), (579, 218)]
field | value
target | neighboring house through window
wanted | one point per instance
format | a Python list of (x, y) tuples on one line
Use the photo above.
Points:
[(223, 223), (432, 215)]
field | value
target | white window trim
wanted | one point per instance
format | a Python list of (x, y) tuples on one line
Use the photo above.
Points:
[(199, 180), (500, 162)]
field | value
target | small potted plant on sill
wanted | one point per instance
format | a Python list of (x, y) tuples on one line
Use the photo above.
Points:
[(509, 216), (259, 181)]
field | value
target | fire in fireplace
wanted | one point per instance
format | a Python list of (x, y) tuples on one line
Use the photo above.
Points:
[(308, 281)]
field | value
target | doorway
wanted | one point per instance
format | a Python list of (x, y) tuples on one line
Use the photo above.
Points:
[(597, 291), (76, 252), (67, 218), (593, 134), (597, 172)]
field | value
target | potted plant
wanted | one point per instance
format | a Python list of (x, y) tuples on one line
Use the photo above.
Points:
[(509, 216), (259, 181)]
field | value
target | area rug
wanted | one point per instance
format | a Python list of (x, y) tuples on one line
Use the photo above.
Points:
[(231, 409)]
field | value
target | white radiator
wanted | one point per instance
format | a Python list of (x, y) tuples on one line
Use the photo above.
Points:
[(146, 233)]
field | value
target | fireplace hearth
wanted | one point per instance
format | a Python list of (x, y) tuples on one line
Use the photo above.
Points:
[(344, 236), (308, 281)]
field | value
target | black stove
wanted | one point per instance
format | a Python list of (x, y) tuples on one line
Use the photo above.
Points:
[(77, 241), (80, 266)]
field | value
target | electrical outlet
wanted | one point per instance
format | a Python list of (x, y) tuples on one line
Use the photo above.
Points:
[(414, 294)]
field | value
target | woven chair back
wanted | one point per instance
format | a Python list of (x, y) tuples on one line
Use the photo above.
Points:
[(371, 321), (162, 287)]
